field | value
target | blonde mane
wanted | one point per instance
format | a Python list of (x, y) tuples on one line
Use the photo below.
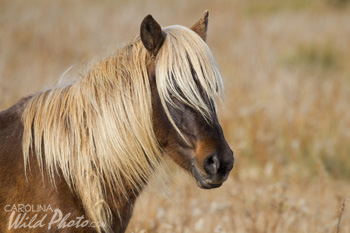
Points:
[(98, 133)]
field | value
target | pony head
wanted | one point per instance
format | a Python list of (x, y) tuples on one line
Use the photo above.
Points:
[(185, 85)]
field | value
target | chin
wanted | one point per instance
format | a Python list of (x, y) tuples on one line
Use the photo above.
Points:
[(207, 182)]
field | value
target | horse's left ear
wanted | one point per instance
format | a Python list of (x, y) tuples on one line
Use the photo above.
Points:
[(151, 34), (202, 25)]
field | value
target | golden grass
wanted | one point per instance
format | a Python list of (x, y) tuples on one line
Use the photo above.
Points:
[(254, 201), (286, 69)]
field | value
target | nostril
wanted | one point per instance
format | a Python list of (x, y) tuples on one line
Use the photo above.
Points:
[(211, 164)]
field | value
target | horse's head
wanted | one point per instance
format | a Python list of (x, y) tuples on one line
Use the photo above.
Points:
[(190, 135)]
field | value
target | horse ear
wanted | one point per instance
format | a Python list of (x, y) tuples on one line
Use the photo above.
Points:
[(151, 34), (202, 25)]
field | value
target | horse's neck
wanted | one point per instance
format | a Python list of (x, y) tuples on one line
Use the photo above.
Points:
[(12, 114), (122, 209)]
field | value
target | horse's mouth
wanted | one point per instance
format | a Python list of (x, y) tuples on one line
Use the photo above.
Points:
[(207, 182)]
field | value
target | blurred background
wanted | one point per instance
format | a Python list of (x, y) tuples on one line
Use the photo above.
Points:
[(286, 112)]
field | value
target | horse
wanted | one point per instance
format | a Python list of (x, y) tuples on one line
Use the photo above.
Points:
[(75, 157)]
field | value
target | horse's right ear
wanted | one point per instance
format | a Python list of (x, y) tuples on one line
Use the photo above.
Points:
[(201, 26), (151, 34)]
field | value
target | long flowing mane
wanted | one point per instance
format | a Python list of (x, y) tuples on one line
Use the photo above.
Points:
[(97, 132)]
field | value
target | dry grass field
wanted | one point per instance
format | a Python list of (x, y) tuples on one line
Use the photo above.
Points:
[(286, 112)]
